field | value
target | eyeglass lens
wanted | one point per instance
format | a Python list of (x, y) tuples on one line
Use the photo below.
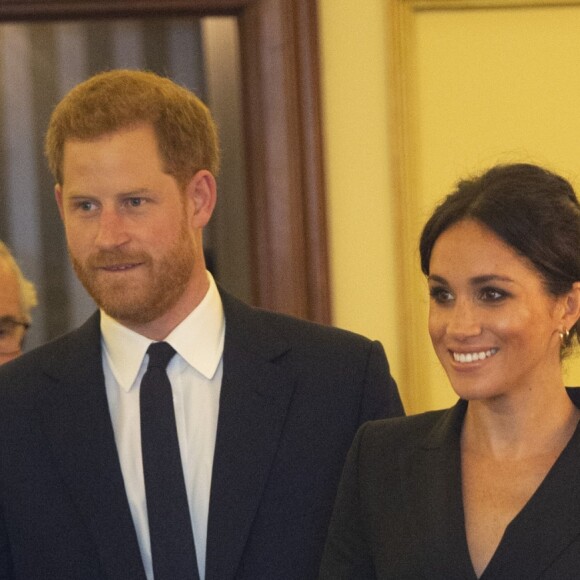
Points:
[(12, 333)]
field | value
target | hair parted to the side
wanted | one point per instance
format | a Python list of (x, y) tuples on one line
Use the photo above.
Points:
[(533, 210), (28, 299), (123, 99)]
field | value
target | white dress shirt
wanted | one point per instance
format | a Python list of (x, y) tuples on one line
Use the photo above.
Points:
[(195, 373)]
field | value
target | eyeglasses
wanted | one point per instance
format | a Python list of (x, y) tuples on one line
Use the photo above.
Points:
[(12, 333)]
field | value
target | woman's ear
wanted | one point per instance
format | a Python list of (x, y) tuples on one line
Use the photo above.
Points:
[(572, 307), (201, 192)]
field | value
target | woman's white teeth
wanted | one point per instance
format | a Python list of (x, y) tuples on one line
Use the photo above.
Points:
[(467, 357)]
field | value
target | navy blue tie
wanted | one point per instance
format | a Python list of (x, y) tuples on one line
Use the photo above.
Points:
[(172, 545)]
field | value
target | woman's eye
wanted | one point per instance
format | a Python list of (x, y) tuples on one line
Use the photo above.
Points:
[(441, 295), (492, 294)]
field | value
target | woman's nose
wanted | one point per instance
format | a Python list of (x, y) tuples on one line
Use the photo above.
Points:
[(464, 321)]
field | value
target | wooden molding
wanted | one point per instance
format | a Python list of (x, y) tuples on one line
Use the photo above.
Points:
[(280, 78), (405, 144)]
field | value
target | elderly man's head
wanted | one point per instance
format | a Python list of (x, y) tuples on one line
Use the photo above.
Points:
[(17, 297)]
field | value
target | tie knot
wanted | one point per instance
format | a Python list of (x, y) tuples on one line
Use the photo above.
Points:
[(160, 353)]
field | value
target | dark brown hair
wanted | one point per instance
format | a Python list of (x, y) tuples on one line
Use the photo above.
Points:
[(533, 210)]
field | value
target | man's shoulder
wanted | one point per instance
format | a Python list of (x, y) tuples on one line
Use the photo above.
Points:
[(346, 366)]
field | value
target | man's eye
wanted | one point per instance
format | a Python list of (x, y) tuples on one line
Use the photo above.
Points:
[(7, 327), (135, 202), (86, 205)]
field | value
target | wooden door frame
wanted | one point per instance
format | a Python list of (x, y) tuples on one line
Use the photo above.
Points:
[(405, 142), (282, 124)]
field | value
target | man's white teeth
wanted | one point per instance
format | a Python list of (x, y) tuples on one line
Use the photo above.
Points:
[(467, 357)]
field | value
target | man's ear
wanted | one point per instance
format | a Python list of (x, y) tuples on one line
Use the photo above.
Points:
[(59, 202), (201, 191)]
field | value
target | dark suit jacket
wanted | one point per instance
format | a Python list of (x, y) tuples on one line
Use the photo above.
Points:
[(399, 511), (293, 395)]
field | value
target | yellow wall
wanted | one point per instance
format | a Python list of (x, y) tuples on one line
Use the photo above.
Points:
[(360, 209), (518, 104)]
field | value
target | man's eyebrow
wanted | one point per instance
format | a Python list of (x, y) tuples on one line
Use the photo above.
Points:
[(139, 191), (134, 192)]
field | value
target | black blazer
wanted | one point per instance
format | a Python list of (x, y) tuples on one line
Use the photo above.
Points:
[(293, 395), (399, 512)]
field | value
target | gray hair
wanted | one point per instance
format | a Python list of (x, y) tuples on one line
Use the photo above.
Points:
[(28, 299)]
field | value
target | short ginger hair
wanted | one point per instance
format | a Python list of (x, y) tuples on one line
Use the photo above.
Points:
[(123, 99)]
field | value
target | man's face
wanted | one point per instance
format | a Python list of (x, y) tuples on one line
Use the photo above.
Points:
[(11, 333), (129, 229)]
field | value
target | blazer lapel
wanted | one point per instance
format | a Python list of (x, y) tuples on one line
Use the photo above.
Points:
[(432, 482), (75, 418), (254, 401), (547, 524)]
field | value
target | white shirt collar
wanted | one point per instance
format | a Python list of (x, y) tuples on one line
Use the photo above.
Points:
[(198, 339)]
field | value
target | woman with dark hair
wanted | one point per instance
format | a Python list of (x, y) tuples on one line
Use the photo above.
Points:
[(490, 488)]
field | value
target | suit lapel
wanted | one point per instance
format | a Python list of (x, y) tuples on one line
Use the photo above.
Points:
[(75, 418), (254, 401)]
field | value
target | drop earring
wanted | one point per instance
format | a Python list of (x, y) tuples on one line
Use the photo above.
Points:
[(564, 335)]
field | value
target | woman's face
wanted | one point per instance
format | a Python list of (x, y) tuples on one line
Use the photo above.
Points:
[(494, 327)]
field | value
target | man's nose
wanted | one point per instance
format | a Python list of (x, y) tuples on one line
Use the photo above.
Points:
[(112, 230)]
